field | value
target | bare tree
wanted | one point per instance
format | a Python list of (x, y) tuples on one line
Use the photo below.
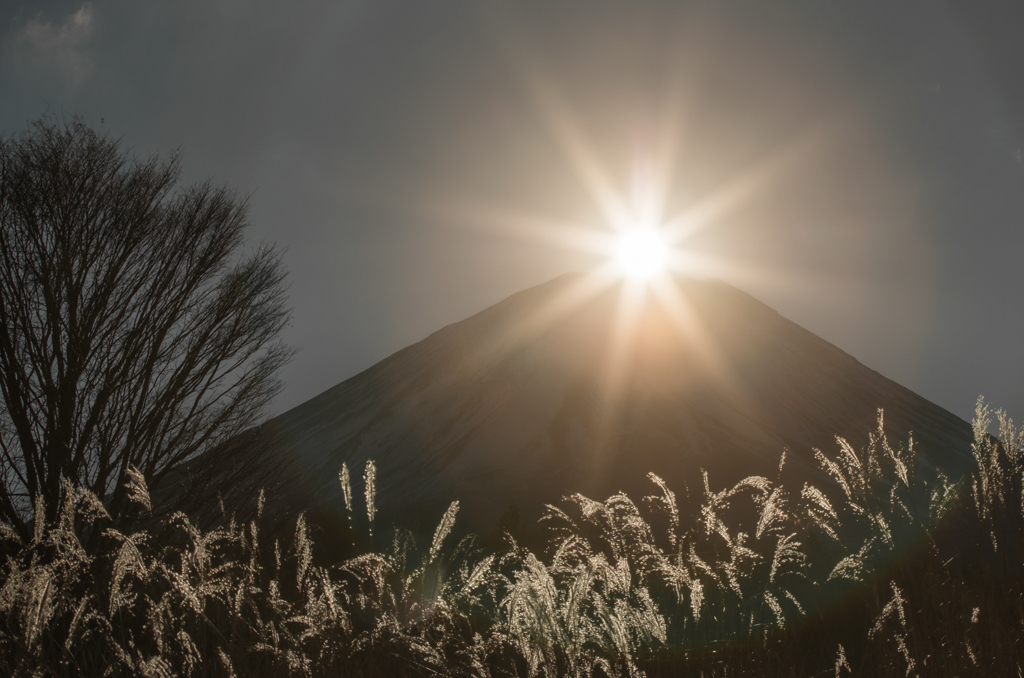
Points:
[(134, 331)]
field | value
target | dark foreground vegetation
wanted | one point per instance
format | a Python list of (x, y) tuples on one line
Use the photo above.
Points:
[(888, 570)]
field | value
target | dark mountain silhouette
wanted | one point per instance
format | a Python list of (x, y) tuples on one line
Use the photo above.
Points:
[(525, 402)]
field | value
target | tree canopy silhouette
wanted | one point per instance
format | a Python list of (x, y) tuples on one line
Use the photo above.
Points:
[(135, 331)]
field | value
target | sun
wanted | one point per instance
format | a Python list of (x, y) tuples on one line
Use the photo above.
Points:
[(641, 253)]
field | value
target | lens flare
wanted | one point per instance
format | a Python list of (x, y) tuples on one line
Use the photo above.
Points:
[(641, 253)]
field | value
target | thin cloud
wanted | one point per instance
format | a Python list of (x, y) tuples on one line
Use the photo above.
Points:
[(63, 45)]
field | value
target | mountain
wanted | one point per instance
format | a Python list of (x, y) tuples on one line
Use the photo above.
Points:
[(554, 391)]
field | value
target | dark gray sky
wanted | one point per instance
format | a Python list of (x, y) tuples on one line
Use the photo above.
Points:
[(387, 145)]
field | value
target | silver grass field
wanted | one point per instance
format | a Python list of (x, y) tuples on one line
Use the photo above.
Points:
[(889, 570)]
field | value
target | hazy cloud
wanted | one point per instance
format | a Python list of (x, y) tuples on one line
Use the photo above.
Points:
[(63, 45)]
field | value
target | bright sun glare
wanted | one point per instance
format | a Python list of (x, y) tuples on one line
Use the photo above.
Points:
[(641, 252)]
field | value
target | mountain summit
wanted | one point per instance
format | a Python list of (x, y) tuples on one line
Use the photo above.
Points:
[(553, 391)]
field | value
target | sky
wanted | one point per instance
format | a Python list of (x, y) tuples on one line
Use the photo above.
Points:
[(855, 165)]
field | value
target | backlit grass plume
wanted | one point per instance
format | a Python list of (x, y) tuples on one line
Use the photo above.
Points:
[(849, 577)]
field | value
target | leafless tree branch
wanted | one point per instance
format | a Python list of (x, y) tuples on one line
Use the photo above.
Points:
[(133, 331)]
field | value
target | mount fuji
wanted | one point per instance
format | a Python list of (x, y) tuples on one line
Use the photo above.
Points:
[(554, 391)]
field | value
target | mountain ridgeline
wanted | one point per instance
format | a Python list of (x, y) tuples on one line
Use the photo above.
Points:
[(535, 398)]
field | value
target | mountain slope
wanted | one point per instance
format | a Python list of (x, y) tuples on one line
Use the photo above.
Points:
[(502, 407)]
